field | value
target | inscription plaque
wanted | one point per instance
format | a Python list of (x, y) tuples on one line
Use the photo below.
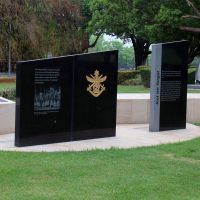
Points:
[(66, 98), (168, 86)]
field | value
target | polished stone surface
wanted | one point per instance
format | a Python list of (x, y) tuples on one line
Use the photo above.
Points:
[(43, 101), (169, 86), (128, 136), (95, 95), (66, 98)]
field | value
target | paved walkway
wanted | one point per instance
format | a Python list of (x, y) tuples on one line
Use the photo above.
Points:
[(193, 86), (130, 96), (128, 136)]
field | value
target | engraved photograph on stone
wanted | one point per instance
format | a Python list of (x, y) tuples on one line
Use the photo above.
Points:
[(47, 92), (47, 98), (43, 103)]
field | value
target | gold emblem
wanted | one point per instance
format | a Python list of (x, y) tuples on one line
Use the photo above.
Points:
[(96, 88)]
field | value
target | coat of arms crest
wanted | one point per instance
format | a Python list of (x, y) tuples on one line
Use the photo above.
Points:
[(96, 88)]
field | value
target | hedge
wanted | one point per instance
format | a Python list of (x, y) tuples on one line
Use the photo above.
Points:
[(191, 75), (123, 76), (145, 72), (8, 93), (133, 82)]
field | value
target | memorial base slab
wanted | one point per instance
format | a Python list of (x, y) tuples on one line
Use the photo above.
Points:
[(127, 136)]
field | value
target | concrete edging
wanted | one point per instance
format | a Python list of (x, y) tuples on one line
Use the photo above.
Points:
[(127, 136), (134, 108), (7, 116), (131, 109)]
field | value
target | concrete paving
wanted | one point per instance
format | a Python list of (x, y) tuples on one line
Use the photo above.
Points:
[(128, 136), (130, 96)]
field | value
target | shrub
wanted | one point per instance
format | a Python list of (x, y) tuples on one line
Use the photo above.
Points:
[(8, 93), (191, 75), (145, 72), (123, 76), (135, 81)]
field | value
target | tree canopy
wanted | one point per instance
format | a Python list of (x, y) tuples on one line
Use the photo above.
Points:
[(169, 23), (120, 18), (33, 28), (195, 7), (145, 22), (126, 59)]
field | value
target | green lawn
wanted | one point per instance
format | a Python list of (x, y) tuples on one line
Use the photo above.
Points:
[(7, 85), (132, 89), (121, 88), (194, 91), (159, 173), (141, 89)]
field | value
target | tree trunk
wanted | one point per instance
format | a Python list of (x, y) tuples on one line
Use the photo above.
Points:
[(194, 49), (141, 50), (9, 51), (9, 58)]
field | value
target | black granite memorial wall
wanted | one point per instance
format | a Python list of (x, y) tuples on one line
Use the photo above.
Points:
[(169, 86), (66, 98), (95, 94)]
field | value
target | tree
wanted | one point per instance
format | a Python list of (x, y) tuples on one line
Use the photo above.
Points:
[(17, 30), (33, 28), (167, 25), (125, 53), (10, 16), (125, 19), (196, 8), (64, 26), (148, 21)]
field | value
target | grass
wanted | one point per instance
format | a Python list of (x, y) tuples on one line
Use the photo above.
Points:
[(141, 89), (121, 88), (159, 173), (7, 85), (132, 89), (193, 91)]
